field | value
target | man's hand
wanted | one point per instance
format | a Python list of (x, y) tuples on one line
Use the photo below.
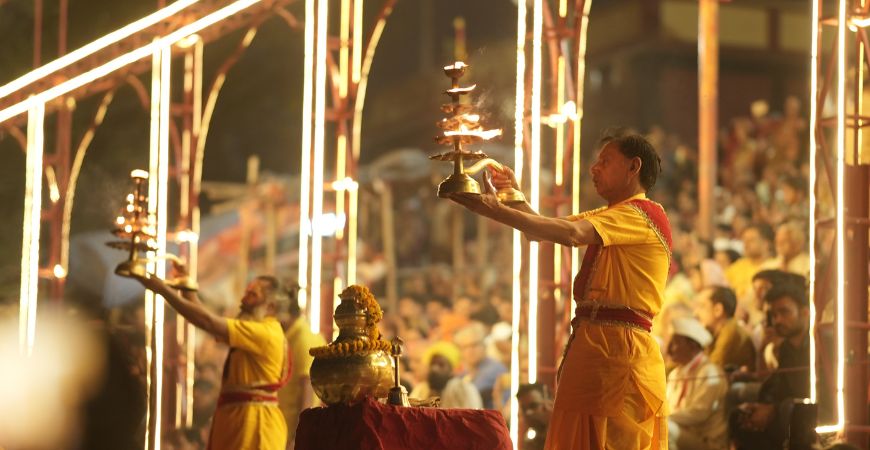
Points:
[(179, 269), (152, 282), (503, 178), (485, 204)]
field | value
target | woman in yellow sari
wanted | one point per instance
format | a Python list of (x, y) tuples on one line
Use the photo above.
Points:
[(611, 385), (247, 414)]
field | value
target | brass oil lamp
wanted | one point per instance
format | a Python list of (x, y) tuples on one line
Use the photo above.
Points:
[(137, 235), (462, 128)]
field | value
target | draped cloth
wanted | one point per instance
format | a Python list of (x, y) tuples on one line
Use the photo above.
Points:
[(611, 387), (371, 425)]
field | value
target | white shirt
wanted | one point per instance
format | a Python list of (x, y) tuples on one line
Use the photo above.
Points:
[(457, 394), (696, 399)]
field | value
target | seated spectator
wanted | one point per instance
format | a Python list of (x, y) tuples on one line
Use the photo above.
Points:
[(764, 424), (791, 255), (732, 345), (480, 370), (442, 358), (756, 240), (536, 407), (696, 391)]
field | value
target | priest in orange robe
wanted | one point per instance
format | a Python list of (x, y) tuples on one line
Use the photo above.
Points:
[(611, 385)]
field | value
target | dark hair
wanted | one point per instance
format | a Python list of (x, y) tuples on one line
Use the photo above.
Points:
[(733, 255), (633, 145), (778, 277), (275, 290), (725, 297), (797, 183), (797, 294), (293, 296), (533, 387), (763, 229), (773, 276)]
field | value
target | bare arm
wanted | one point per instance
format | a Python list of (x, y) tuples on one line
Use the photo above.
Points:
[(526, 208), (560, 231), (190, 308)]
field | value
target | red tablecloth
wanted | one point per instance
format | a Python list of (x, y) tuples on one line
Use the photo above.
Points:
[(369, 425)]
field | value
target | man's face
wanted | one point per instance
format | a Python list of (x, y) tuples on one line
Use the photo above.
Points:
[(785, 243), (254, 295), (535, 410), (440, 372), (788, 319), (682, 349), (760, 287), (472, 350), (611, 172), (753, 244), (706, 311)]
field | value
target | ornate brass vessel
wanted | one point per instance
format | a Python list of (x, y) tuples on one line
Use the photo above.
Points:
[(357, 364)]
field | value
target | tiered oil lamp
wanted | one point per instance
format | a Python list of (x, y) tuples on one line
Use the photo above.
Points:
[(462, 128), (138, 235)]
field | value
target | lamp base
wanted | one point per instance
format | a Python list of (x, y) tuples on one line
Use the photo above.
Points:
[(132, 268), (458, 183)]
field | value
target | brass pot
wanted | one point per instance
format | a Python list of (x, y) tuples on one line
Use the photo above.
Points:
[(349, 379)]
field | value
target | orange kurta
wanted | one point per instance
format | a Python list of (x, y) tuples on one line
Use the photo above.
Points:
[(611, 392), (257, 357)]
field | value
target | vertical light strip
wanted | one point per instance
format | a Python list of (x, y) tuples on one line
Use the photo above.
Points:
[(344, 52), (351, 233), (182, 406), (305, 168), (352, 207), (814, 85), (151, 440), (841, 229), (517, 261), (319, 151), (161, 209), (840, 111), (340, 171), (561, 113), (193, 254), (578, 122), (534, 182), (30, 232), (358, 47)]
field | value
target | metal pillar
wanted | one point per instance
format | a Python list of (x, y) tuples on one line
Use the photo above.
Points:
[(708, 104), (841, 186)]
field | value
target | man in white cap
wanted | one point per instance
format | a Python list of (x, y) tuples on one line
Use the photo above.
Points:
[(696, 391)]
